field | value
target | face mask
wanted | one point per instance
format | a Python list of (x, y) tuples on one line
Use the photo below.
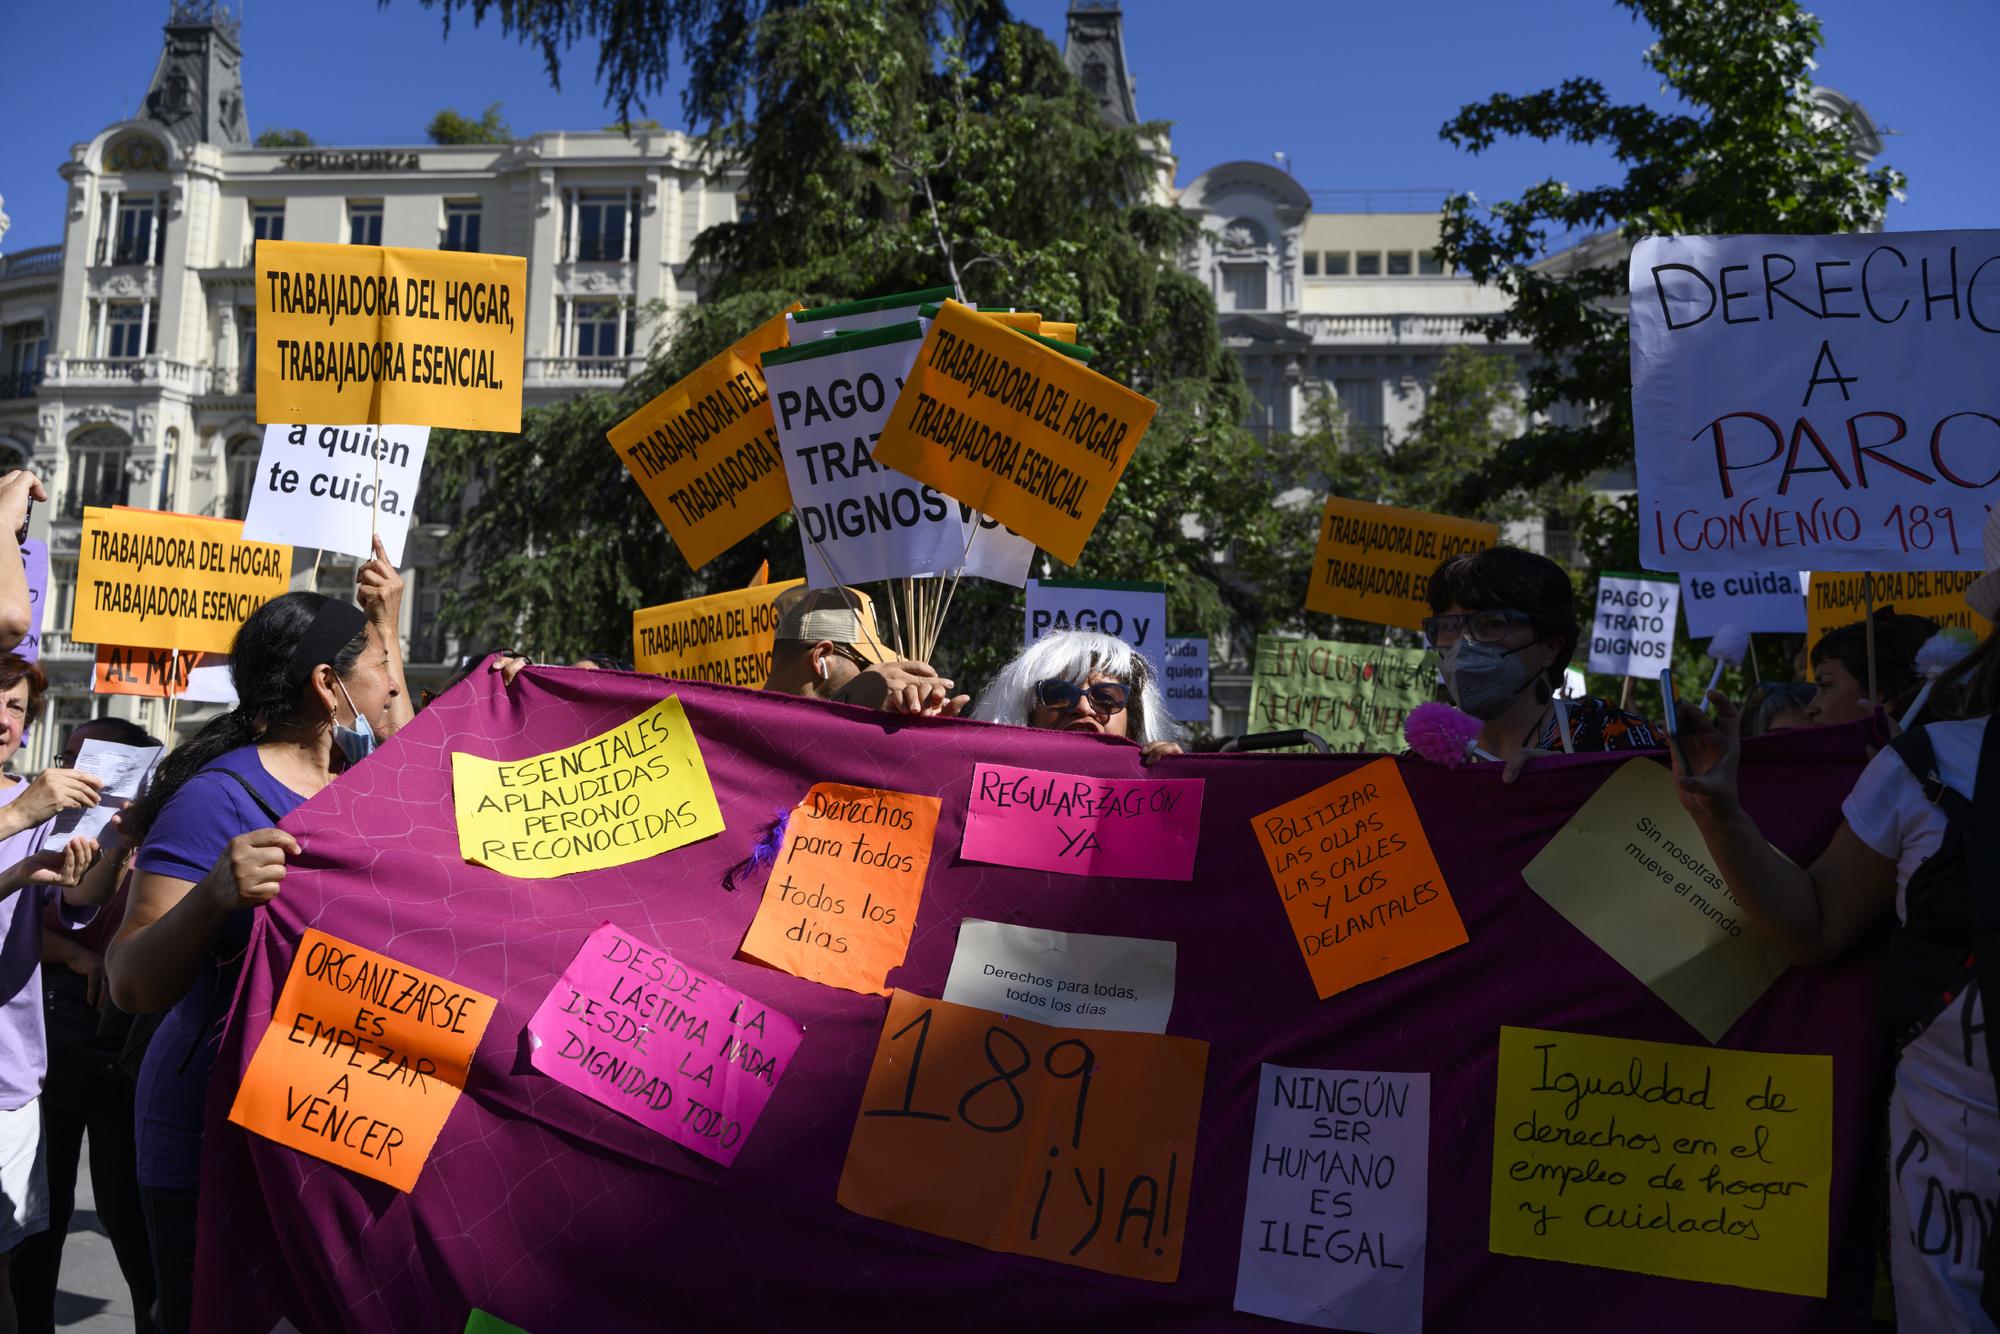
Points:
[(356, 742), (1483, 679)]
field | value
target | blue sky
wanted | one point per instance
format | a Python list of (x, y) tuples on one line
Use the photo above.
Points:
[(1353, 92)]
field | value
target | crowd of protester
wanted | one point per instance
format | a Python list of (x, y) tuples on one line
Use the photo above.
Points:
[(117, 963)]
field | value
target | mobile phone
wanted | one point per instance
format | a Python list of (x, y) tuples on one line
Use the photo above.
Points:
[(1673, 718)]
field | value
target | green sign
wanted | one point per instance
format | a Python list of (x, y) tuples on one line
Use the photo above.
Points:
[(1354, 695)]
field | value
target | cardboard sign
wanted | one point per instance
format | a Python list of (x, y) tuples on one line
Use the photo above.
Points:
[(809, 326), (705, 452), (1186, 683), (35, 564), (859, 520), (1072, 1145), (1360, 885), (199, 678), (154, 580), (1015, 429), (1760, 601), (1355, 696), (337, 487), (1374, 562), (1834, 600), (1822, 399), (1632, 627), (1063, 977), (1146, 828), (1689, 1162), (842, 898), (1334, 1224), (623, 796), (1133, 612), (724, 637), (364, 1059), (354, 334), (1630, 871), (684, 1055)]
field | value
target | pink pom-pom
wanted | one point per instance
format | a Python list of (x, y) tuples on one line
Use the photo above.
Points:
[(1440, 733)]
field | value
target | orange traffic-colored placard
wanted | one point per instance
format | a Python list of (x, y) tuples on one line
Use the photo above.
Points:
[(723, 637), (844, 887), (1073, 1145), (705, 452), (351, 334), (157, 673), (1014, 428), (149, 579), (1361, 887), (364, 1059), (1374, 562)]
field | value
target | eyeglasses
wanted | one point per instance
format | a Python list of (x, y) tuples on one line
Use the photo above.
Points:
[(852, 654), (1483, 627), (1107, 696)]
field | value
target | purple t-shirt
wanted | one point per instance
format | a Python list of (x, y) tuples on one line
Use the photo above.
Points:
[(24, 1041), (185, 842)]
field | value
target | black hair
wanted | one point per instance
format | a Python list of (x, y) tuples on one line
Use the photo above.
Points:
[(121, 731), (1897, 639), (269, 694), (1514, 579)]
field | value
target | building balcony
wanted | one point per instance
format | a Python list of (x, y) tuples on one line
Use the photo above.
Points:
[(57, 646), (146, 372), (38, 262), (1431, 330), (593, 372)]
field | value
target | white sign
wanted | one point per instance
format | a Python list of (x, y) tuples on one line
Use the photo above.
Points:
[(124, 770), (1335, 1218), (1823, 400), (1632, 633), (1064, 977), (1135, 613), (859, 520), (1186, 686), (332, 487), (1760, 601)]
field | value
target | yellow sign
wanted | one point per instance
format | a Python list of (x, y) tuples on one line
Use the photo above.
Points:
[(1014, 429), (705, 452), (634, 792), (1687, 1162), (352, 334), (723, 637), (149, 579), (1374, 562), (1834, 600), (1059, 330)]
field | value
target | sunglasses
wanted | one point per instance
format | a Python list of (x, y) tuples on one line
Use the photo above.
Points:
[(1108, 697), (1482, 627)]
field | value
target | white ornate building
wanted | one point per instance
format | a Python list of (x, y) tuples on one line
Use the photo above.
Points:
[(126, 350)]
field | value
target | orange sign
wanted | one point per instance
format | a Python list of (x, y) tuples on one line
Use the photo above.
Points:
[(1361, 886), (157, 673), (1014, 428), (844, 889), (364, 1059), (1073, 1145), (1374, 562), (152, 579), (705, 452)]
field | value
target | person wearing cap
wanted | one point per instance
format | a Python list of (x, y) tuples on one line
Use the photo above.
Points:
[(317, 681), (826, 647), (1915, 846)]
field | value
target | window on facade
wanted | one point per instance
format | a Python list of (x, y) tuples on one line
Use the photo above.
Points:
[(596, 330), (1361, 405), (128, 329), (602, 217), (96, 473), (1367, 263), (461, 225), (246, 346), (1399, 262), (136, 240), (170, 453), (1312, 263), (427, 637), (242, 475), (25, 345), (1336, 263), (1429, 261), (267, 222), (62, 593), (364, 222), (1243, 287)]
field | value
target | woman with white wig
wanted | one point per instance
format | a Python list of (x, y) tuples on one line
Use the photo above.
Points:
[(1080, 681)]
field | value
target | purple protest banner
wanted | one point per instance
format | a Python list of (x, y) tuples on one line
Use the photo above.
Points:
[(637, 1030), (557, 1213)]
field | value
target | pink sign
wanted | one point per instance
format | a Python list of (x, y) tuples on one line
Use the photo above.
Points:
[(631, 1027), (1083, 826)]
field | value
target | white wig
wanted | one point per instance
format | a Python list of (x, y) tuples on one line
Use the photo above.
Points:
[(1072, 655)]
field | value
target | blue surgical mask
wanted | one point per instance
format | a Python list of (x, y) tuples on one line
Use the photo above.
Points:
[(356, 742)]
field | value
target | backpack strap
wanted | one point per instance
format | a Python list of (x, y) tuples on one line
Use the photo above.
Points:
[(248, 791)]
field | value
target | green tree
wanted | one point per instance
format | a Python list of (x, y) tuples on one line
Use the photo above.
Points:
[(448, 127), (1745, 148), (277, 138)]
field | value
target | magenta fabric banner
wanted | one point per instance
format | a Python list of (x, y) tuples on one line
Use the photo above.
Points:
[(556, 1212)]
